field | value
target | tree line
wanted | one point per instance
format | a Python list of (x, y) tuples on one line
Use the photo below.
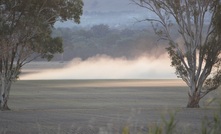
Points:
[(103, 40)]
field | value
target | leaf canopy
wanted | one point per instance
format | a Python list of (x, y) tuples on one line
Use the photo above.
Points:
[(26, 25)]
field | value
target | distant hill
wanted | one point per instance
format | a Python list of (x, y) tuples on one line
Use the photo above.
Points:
[(103, 40)]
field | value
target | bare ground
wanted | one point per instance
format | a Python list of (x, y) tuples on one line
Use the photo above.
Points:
[(98, 106)]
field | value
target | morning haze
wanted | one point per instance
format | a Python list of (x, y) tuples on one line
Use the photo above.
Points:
[(107, 30), (114, 75)]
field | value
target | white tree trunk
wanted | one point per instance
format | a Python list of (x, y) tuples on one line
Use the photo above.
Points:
[(4, 94)]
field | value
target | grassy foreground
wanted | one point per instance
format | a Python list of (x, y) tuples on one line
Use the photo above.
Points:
[(101, 107)]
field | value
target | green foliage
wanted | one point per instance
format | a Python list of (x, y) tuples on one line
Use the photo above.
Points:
[(211, 53), (176, 62), (170, 126), (212, 126), (126, 130), (167, 127), (155, 130), (31, 22), (51, 47), (213, 82), (216, 20)]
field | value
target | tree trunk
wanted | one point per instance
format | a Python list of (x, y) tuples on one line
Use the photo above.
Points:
[(193, 101), (4, 105), (4, 102), (4, 96)]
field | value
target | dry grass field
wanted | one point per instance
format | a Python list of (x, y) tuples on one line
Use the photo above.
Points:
[(98, 106)]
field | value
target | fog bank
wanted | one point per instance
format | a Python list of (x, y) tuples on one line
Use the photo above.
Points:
[(105, 67)]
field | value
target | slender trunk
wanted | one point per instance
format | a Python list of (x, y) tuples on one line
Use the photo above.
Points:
[(4, 96), (4, 104)]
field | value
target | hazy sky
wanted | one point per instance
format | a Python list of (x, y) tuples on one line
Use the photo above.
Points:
[(114, 12), (107, 5)]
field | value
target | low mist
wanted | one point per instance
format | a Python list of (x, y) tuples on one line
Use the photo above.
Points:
[(105, 67)]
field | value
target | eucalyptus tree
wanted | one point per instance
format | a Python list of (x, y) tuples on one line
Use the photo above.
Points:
[(25, 34), (196, 55)]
